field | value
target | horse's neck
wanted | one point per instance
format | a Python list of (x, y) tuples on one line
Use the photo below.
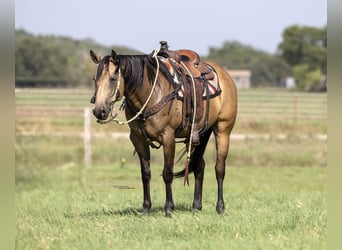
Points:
[(141, 95)]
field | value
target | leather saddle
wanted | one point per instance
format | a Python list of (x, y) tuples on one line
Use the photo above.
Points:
[(189, 58)]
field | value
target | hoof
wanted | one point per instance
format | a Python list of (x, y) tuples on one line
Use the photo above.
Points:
[(220, 207), (196, 206), (168, 209), (146, 207), (168, 214), (220, 210), (145, 211)]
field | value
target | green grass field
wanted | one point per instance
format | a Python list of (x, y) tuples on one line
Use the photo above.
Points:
[(275, 189), (266, 208)]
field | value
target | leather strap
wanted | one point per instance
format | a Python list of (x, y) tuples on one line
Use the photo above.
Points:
[(157, 107)]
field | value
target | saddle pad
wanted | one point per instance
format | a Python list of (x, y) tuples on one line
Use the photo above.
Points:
[(213, 84)]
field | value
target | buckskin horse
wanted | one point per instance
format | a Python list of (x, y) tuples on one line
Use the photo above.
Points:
[(157, 116)]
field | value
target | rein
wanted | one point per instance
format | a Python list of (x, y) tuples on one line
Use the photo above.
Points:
[(188, 157), (113, 117)]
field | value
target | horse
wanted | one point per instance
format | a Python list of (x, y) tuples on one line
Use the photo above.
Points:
[(154, 116)]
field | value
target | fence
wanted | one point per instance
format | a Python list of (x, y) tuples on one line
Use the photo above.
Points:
[(251, 105), (295, 106)]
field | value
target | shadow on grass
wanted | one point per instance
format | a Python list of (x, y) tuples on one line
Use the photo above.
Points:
[(138, 212)]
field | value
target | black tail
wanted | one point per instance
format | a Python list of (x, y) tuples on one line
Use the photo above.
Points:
[(182, 172)]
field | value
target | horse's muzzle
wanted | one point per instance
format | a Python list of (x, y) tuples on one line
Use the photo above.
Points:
[(101, 113)]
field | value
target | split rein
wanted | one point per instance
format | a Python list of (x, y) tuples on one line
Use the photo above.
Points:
[(113, 116)]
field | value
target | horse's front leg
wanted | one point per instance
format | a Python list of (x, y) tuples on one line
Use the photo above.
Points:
[(146, 179), (169, 153), (144, 156)]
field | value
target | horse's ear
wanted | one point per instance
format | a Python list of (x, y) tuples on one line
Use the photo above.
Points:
[(96, 59), (114, 57)]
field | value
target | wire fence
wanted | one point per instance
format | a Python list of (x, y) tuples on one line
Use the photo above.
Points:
[(251, 104), (74, 103), (296, 106)]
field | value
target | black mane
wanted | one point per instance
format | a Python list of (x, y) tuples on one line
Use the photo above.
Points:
[(134, 69)]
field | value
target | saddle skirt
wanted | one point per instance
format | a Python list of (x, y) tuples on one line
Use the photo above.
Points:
[(213, 87)]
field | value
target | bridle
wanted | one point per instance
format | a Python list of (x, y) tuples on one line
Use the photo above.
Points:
[(117, 90)]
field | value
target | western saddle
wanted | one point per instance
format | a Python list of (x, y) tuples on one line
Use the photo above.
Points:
[(195, 75)]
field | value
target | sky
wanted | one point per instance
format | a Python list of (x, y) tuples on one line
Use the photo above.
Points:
[(185, 24)]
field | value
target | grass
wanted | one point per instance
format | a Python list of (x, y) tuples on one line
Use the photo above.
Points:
[(35, 154), (266, 208)]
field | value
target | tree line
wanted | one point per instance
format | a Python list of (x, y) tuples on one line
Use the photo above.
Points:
[(56, 61), (49, 61), (301, 54)]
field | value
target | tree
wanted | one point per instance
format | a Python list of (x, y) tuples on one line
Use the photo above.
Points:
[(307, 79), (305, 49), (267, 69), (38, 61), (55, 60)]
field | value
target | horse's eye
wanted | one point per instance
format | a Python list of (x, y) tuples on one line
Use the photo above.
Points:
[(112, 79)]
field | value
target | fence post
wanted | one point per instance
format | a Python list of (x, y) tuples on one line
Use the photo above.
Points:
[(87, 138), (295, 108)]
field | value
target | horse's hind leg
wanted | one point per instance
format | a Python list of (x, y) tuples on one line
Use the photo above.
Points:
[(222, 148), (199, 173), (198, 164)]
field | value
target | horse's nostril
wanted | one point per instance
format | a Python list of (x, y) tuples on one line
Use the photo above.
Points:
[(103, 112)]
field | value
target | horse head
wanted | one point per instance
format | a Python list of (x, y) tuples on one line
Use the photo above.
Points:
[(108, 89)]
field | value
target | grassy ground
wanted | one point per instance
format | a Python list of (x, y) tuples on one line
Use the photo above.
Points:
[(266, 208), (36, 154)]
